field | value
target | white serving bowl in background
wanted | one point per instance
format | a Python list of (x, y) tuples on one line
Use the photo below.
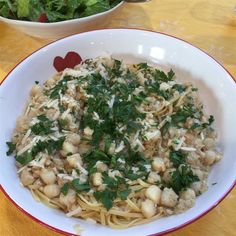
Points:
[(62, 28), (218, 93)]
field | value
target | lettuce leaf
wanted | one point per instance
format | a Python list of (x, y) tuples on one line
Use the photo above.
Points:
[(55, 10)]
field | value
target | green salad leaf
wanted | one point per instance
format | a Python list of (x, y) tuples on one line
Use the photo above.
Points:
[(53, 10)]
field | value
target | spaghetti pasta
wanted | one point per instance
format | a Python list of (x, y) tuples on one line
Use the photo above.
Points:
[(116, 144)]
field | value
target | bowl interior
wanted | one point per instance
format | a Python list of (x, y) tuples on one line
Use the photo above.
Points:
[(216, 86)]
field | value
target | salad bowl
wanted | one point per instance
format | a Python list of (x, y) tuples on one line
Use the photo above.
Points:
[(63, 28), (217, 90)]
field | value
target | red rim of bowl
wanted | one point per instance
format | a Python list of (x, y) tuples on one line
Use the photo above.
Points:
[(155, 234)]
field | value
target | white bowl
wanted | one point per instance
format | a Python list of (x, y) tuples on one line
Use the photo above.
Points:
[(63, 28), (217, 89)]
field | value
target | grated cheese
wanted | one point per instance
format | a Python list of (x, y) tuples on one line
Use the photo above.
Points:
[(120, 147), (65, 177), (74, 212), (111, 102), (188, 149), (26, 136), (153, 134)]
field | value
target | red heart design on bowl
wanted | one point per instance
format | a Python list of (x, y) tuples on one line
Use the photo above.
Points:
[(70, 61)]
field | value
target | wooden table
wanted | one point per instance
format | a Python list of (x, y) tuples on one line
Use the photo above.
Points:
[(208, 24)]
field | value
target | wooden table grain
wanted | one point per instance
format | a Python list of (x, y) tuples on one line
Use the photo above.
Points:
[(208, 24)]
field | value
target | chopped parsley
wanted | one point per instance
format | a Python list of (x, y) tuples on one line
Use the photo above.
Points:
[(78, 187), (62, 123), (153, 83), (43, 127), (177, 157), (205, 124), (96, 155), (182, 178), (24, 158), (115, 187), (143, 66), (179, 87), (110, 103), (182, 114), (61, 108), (179, 117), (106, 198), (115, 70), (65, 189), (59, 88), (123, 195), (48, 146), (11, 148), (75, 185)]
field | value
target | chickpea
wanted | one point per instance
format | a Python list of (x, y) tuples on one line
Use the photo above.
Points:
[(200, 174), (48, 176), (153, 192), (51, 190), (158, 164), (153, 177), (69, 199), (83, 148), (26, 177), (88, 132), (74, 160), (36, 90), (210, 157), (74, 138), (68, 147), (148, 208), (199, 187), (188, 194), (168, 197), (101, 167), (58, 163), (97, 179), (167, 175)]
